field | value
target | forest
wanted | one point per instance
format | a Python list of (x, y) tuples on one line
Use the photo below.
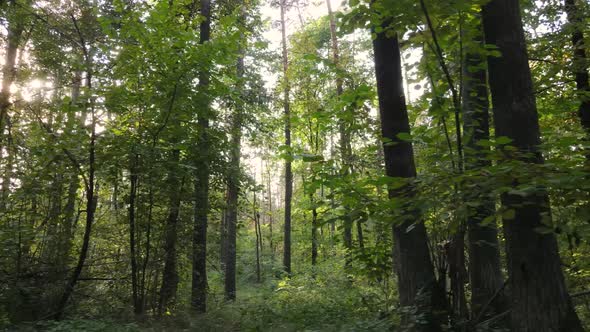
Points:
[(295, 165)]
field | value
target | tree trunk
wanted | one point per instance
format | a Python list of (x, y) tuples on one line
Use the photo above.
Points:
[(199, 273), (483, 247), (91, 203), (288, 171), (137, 308), (540, 301), (233, 189), (416, 280), (314, 231), (170, 274), (580, 66), (256, 217), (15, 29), (344, 137), (270, 218)]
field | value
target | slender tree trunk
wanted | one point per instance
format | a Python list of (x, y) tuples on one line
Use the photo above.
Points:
[(132, 243), (91, 201), (199, 273), (416, 280), (540, 301), (170, 277), (233, 186), (344, 137), (314, 231), (15, 29), (270, 218), (288, 170), (256, 216), (580, 65), (484, 251)]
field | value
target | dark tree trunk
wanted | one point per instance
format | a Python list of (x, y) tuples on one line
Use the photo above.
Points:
[(143, 288), (483, 247), (270, 218), (137, 307), (314, 231), (457, 275), (580, 65), (233, 181), (359, 234), (256, 217), (170, 274), (540, 301), (288, 170), (416, 280), (199, 273)]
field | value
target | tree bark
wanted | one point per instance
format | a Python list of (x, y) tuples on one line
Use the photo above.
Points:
[(233, 184), (416, 280), (580, 66), (540, 301), (345, 153), (288, 170), (256, 217), (15, 30), (199, 273), (170, 274), (483, 247), (137, 308)]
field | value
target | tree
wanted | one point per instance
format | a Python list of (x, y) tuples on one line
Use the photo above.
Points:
[(202, 172), (484, 252), (15, 30), (579, 64), (416, 280), (233, 178), (539, 297), (288, 157)]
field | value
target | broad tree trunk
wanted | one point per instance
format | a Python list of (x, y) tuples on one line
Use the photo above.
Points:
[(416, 280), (199, 273), (540, 301), (483, 247), (288, 170)]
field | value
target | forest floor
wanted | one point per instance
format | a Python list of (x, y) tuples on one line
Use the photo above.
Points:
[(324, 302)]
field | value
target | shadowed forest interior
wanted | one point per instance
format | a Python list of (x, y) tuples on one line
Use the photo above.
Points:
[(295, 165)]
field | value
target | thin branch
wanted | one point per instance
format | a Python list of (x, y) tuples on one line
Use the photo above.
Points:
[(455, 95)]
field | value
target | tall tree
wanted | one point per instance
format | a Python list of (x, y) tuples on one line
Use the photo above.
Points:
[(539, 297), (233, 182), (345, 147), (199, 273), (170, 274), (90, 183), (483, 247), (575, 16), (414, 266), (15, 29), (288, 170)]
